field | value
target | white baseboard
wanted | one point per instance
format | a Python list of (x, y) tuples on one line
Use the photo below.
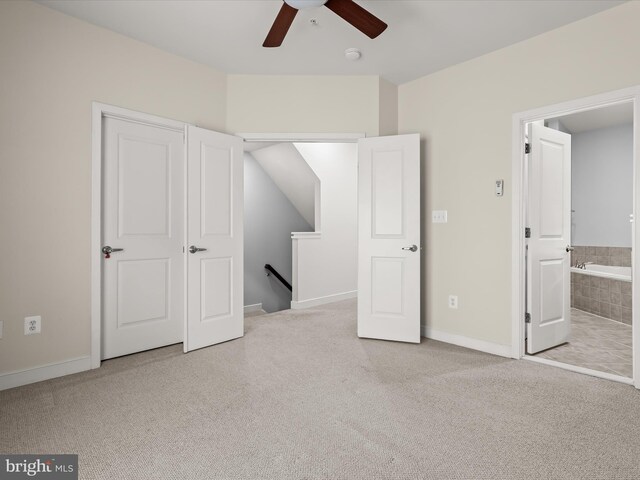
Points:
[(472, 343), (256, 307), (45, 372), (314, 302)]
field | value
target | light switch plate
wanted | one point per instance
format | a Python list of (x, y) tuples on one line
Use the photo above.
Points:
[(439, 216), (1, 328)]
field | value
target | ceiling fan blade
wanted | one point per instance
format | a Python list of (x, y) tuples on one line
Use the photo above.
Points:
[(280, 26), (357, 16)]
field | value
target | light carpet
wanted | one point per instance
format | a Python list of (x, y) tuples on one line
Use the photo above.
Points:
[(301, 397)]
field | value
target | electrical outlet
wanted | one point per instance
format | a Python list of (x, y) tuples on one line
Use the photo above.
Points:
[(453, 301), (32, 325)]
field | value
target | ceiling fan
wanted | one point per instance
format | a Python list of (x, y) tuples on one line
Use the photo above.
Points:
[(350, 11)]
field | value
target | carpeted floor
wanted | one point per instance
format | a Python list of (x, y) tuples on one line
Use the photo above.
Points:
[(301, 397)]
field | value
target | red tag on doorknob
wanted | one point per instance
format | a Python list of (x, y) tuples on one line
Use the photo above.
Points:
[(107, 255)]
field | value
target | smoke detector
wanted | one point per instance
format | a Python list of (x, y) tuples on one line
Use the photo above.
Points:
[(352, 54)]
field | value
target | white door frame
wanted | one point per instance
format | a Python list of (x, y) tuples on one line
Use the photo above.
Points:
[(301, 137), (98, 112), (519, 122)]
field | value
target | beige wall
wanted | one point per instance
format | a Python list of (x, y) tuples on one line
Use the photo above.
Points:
[(388, 108), (303, 104), (464, 114), (53, 67)]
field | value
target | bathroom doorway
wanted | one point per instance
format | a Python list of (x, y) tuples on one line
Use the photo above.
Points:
[(601, 240), (574, 285)]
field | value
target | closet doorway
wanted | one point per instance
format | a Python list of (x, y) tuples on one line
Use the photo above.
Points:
[(167, 234)]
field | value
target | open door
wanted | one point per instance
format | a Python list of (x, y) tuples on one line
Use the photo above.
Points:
[(214, 238), (389, 238), (549, 245)]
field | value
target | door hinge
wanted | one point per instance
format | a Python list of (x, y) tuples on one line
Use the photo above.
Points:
[(527, 148), (527, 318), (527, 232)]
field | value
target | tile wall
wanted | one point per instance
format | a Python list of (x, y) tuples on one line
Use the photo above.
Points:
[(602, 296), (617, 256)]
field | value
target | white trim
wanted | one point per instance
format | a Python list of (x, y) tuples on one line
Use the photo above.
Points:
[(185, 226), (462, 341), (519, 121), (256, 307), (575, 368), (303, 235), (98, 111), (44, 372), (150, 121), (314, 302), (302, 137)]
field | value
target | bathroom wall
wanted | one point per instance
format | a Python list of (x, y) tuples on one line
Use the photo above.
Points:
[(602, 186)]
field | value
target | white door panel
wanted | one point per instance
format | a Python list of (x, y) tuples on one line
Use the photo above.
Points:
[(389, 224), (550, 222), (143, 204), (214, 225)]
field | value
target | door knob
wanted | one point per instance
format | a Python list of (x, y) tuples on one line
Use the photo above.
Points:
[(194, 249), (570, 248), (107, 250), (412, 248)]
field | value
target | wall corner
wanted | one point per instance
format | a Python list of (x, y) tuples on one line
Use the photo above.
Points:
[(387, 107)]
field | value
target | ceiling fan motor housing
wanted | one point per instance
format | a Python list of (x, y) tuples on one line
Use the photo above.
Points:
[(302, 4)]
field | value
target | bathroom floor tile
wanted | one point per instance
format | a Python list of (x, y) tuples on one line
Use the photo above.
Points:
[(596, 343)]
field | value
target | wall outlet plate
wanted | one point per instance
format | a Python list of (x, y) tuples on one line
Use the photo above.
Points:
[(32, 325), (453, 301)]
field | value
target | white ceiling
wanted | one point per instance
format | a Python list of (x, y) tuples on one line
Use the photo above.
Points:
[(423, 36), (605, 117)]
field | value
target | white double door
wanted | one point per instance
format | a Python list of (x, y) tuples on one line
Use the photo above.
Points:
[(172, 219)]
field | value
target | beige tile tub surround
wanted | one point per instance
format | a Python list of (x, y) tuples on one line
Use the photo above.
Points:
[(614, 256), (602, 296)]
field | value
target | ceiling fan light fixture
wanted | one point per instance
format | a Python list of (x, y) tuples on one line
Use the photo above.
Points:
[(348, 10), (303, 4)]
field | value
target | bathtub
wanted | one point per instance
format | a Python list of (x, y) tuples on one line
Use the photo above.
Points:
[(605, 271)]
